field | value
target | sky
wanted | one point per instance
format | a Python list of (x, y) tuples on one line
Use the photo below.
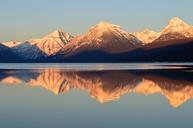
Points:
[(26, 19)]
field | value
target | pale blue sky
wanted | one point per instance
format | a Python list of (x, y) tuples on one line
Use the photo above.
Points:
[(25, 19)]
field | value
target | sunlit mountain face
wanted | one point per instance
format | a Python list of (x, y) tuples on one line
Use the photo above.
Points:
[(106, 42), (107, 86)]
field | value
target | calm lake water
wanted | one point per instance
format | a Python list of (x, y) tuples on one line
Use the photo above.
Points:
[(96, 95)]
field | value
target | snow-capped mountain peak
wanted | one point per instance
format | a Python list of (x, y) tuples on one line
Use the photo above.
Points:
[(176, 30), (175, 25), (12, 44), (55, 34), (104, 26), (176, 21), (59, 34), (105, 37), (147, 36), (46, 46), (109, 32), (52, 43)]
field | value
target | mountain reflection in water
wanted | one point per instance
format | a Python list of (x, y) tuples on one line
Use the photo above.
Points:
[(106, 86)]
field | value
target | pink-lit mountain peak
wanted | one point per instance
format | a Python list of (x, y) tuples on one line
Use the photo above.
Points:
[(111, 32), (176, 25), (58, 34)]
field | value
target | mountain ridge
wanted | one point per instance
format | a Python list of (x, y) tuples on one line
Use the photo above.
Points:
[(106, 42)]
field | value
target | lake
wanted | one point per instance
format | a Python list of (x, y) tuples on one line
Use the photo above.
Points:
[(136, 95)]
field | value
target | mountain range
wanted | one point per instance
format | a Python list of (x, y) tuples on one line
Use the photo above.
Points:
[(106, 42)]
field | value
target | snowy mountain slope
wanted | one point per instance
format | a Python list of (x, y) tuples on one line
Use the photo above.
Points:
[(105, 37), (52, 43), (47, 46), (176, 30), (28, 51), (11, 44), (146, 36)]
